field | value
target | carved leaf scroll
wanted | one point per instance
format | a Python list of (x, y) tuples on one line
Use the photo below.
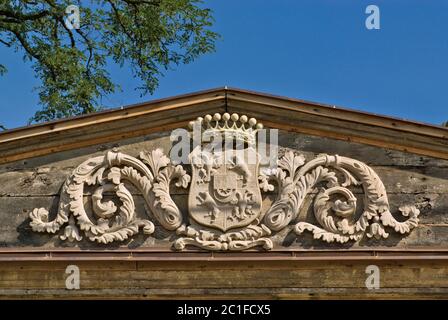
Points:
[(296, 181), (151, 176)]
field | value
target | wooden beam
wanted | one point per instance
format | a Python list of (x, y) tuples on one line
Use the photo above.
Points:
[(277, 112)]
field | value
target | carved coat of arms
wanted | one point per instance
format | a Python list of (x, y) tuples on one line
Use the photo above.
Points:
[(225, 197), (224, 194)]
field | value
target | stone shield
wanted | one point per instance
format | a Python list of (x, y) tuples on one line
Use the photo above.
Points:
[(224, 192)]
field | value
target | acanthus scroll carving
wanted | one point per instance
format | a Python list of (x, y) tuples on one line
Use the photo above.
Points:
[(225, 197), (296, 179), (151, 175)]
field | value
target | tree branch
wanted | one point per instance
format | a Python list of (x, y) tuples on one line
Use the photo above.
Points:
[(24, 17)]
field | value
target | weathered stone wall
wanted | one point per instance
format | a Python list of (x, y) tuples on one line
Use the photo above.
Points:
[(408, 178)]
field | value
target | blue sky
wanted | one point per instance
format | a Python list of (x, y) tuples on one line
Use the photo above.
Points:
[(318, 50)]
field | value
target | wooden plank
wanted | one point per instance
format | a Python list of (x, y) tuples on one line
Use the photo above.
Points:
[(107, 116), (308, 145), (241, 276), (241, 97), (400, 172), (271, 115), (337, 129), (229, 294), (69, 160), (77, 138), (60, 266), (117, 124), (311, 146), (40, 182)]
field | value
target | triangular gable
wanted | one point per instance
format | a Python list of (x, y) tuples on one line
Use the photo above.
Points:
[(276, 112)]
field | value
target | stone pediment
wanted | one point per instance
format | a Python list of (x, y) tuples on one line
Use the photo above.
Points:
[(224, 200), (108, 185)]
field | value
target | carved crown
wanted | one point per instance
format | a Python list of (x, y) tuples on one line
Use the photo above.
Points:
[(239, 128)]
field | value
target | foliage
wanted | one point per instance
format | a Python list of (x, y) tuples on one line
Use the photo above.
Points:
[(149, 36)]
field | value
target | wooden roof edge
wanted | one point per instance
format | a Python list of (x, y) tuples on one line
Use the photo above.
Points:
[(337, 112), (228, 95), (110, 114), (375, 254)]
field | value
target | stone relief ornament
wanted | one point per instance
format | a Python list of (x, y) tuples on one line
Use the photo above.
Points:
[(225, 195)]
